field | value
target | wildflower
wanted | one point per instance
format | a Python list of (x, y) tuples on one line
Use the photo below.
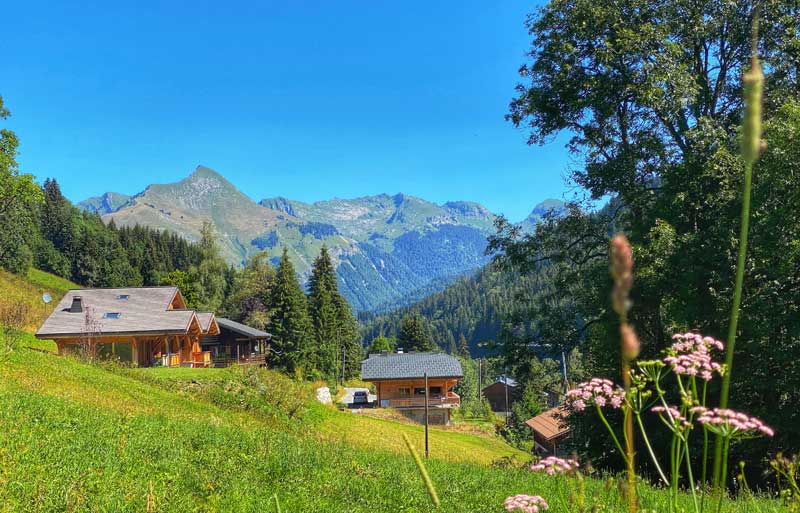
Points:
[(673, 419), (526, 503), (690, 355), (553, 465), (731, 424), (597, 391)]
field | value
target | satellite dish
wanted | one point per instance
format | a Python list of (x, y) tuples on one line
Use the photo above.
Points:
[(46, 298)]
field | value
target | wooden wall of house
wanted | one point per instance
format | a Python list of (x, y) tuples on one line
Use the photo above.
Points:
[(391, 389), (496, 395)]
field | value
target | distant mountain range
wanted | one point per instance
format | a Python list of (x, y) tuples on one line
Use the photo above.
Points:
[(388, 249)]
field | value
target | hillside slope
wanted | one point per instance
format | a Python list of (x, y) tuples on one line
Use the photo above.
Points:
[(473, 306), (79, 437)]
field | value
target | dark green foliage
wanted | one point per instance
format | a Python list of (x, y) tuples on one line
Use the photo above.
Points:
[(668, 156), (249, 297), (414, 335), (335, 328), (321, 290), (291, 327), (529, 404), (380, 344), (471, 309), (20, 198)]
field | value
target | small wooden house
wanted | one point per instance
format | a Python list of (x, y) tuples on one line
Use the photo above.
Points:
[(550, 428), (237, 343), (502, 394), (399, 380), (143, 325)]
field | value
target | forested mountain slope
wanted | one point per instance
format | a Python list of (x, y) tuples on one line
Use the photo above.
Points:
[(472, 307), (388, 250)]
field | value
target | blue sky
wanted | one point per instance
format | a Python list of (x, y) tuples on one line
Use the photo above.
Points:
[(308, 100)]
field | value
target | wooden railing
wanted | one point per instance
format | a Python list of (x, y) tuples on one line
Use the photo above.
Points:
[(171, 360), (253, 359), (199, 359), (438, 401)]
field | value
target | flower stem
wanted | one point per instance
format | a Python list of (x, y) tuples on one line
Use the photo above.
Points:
[(753, 82), (650, 449), (689, 474), (704, 474), (613, 435), (726, 444), (423, 472)]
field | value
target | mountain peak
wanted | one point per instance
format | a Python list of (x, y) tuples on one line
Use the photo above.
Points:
[(104, 204), (202, 171)]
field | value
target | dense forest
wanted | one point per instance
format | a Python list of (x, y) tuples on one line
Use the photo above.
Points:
[(469, 312)]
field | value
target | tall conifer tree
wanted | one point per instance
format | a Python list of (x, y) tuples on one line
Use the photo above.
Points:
[(290, 325), (414, 334), (322, 293)]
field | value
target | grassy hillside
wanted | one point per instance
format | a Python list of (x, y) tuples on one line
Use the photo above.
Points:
[(78, 437), (28, 290)]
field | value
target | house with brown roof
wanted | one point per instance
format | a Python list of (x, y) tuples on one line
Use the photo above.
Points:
[(550, 428), (143, 325), (399, 380)]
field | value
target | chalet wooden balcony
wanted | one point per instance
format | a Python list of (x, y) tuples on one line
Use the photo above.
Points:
[(449, 400), (198, 359)]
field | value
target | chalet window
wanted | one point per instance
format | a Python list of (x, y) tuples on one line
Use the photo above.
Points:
[(419, 391), (111, 315), (404, 392), (436, 390), (123, 297)]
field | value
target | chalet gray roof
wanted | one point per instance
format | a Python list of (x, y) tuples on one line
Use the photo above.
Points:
[(205, 319), (141, 310), (410, 365), (241, 329)]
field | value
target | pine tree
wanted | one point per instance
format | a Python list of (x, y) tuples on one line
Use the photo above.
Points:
[(463, 346), (290, 324), (348, 336), (414, 335), (325, 315)]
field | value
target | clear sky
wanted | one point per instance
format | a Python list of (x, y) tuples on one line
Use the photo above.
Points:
[(308, 100)]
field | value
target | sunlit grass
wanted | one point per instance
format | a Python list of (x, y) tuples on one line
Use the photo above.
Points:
[(79, 437)]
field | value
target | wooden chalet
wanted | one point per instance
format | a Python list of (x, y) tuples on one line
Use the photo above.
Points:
[(550, 428), (147, 326), (399, 380), (502, 394), (236, 343)]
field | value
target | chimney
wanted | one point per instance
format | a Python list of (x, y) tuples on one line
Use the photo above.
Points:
[(77, 305), (399, 350)]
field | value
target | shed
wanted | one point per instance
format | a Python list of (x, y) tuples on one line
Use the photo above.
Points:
[(497, 396), (549, 429), (237, 343)]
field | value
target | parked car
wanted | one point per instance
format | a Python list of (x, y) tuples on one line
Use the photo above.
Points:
[(360, 397)]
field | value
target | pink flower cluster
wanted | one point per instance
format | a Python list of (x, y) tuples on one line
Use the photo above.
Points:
[(672, 414), (690, 355), (729, 422), (526, 503), (553, 465), (597, 391)]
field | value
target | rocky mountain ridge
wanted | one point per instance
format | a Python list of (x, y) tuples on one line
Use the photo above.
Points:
[(386, 247)]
